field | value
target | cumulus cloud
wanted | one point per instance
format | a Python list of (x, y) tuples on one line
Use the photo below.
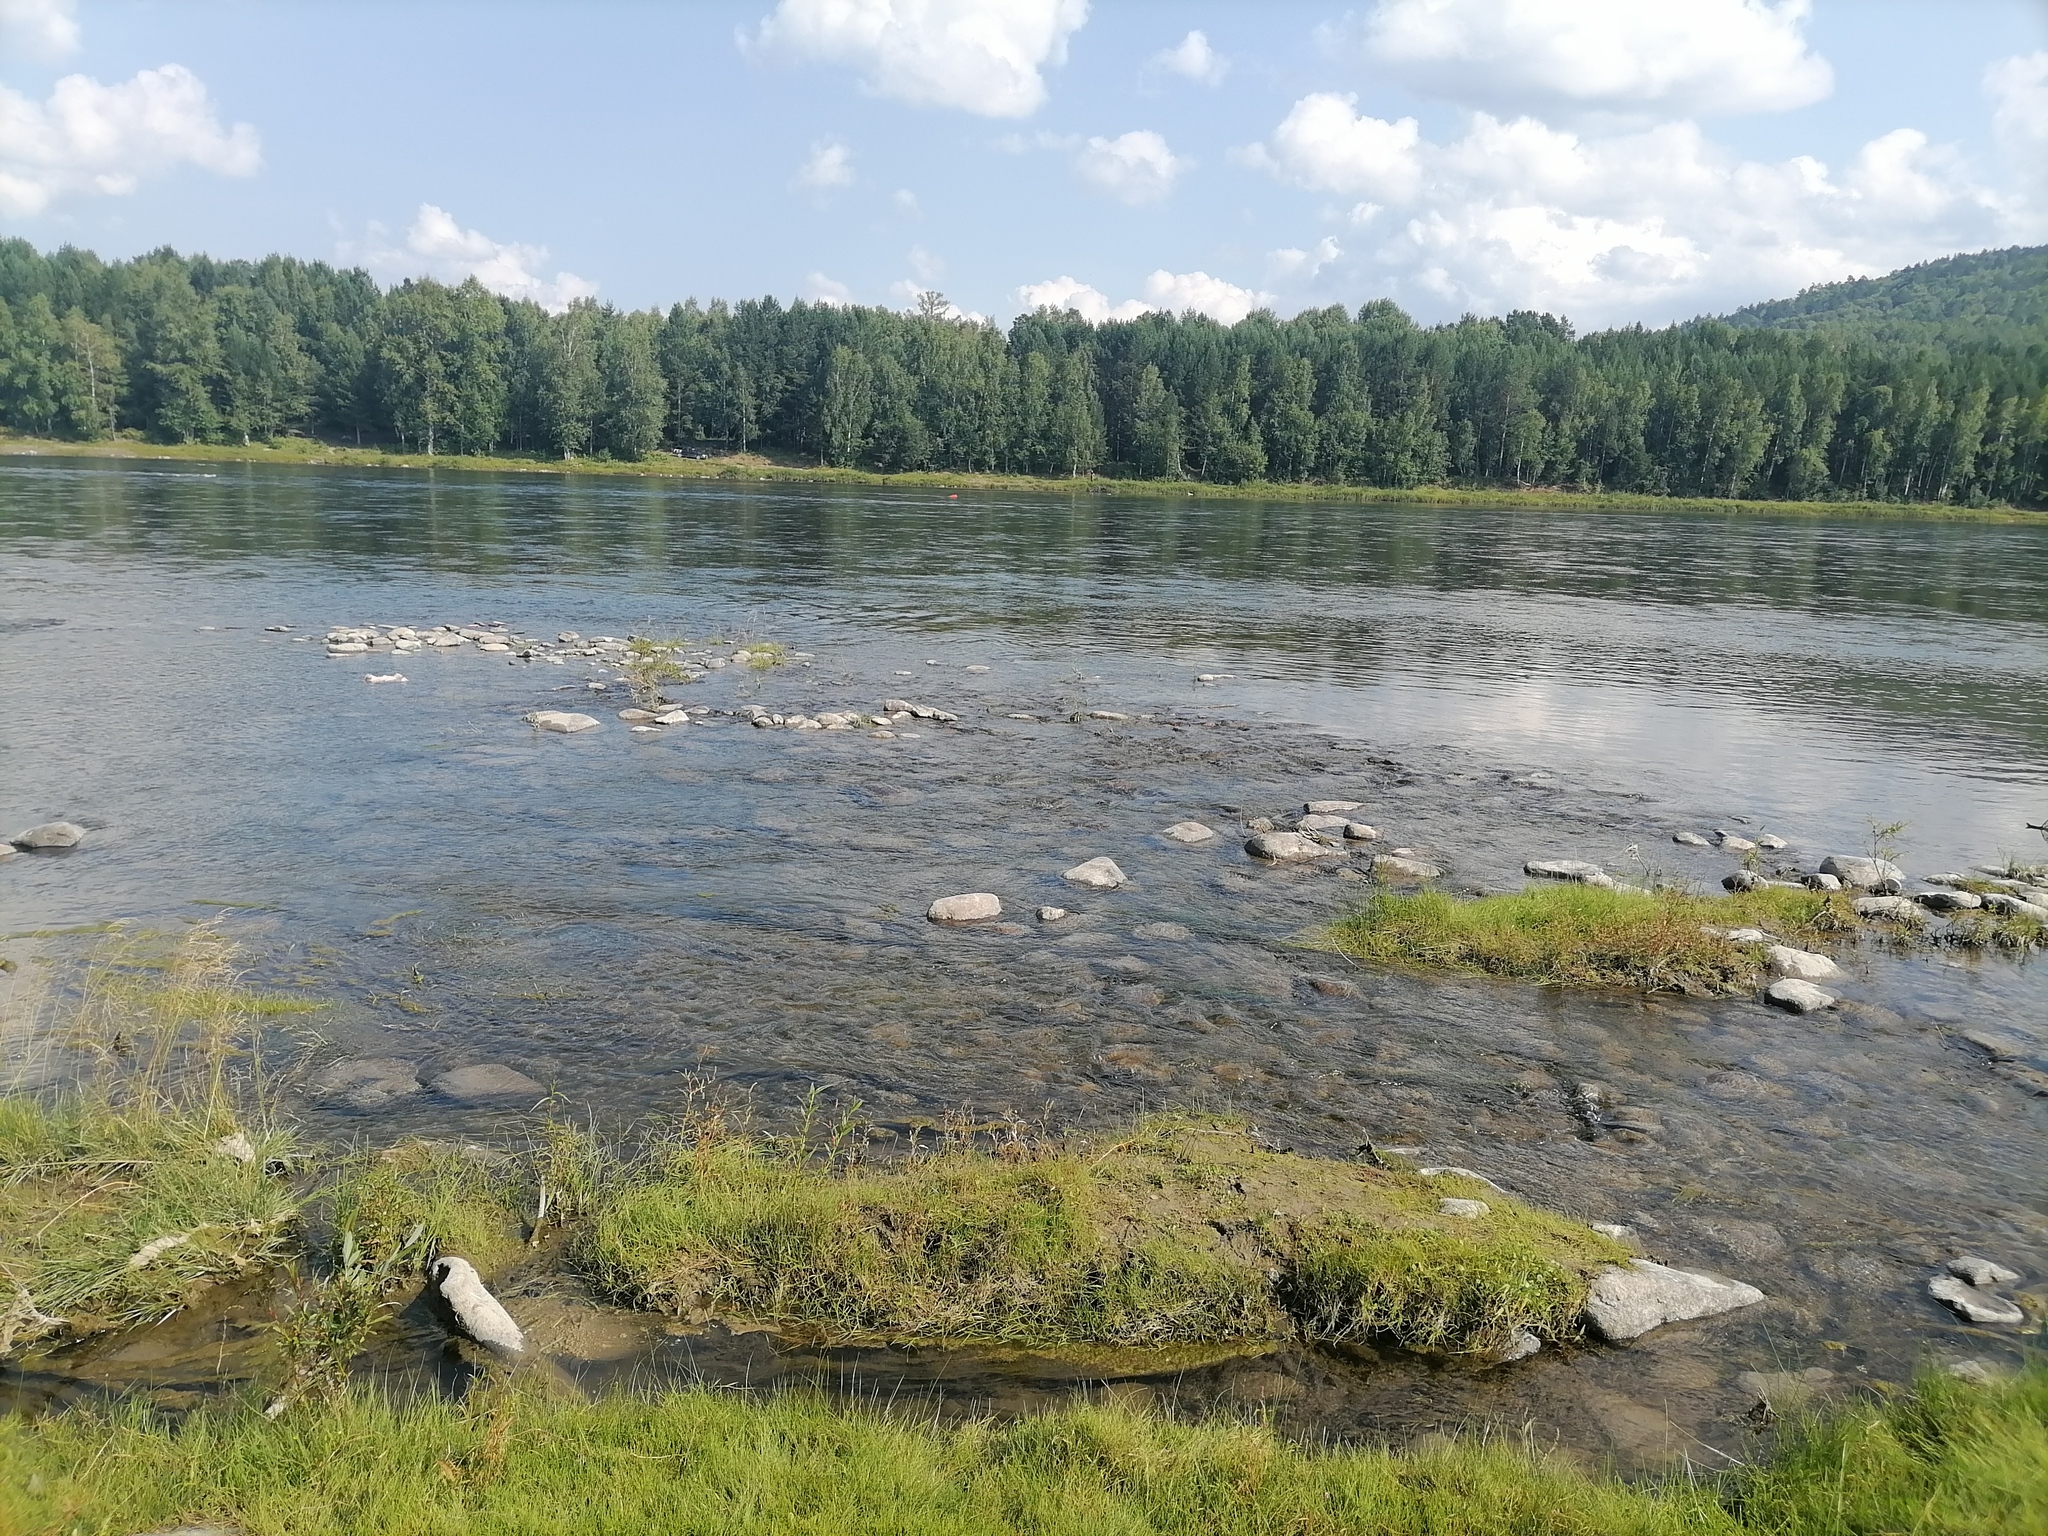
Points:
[(1134, 168), (980, 56), (1704, 56), (820, 289), (1620, 225), (93, 138), (906, 203), (438, 247), (1291, 262), (830, 165), (1193, 58), (1169, 292), (2018, 88), (39, 29)]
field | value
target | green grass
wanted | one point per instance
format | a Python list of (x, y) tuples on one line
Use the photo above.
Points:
[(1579, 935), (1186, 1232), (1948, 1460), (755, 467)]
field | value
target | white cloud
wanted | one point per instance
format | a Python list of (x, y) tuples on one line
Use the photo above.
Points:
[(2018, 88), (93, 138), (1292, 262), (1134, 168), (830, 165), (1193, 59), (1624, 225), (1170, 292), (820, 289), (1699, 56), (41, 29), (907, 204), (929, 268), (980, 56), (438, 247)]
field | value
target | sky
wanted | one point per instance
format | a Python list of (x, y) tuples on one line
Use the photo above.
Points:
[(1614, 161)]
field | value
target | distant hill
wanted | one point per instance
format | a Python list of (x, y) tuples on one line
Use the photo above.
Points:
[(1995, 296)]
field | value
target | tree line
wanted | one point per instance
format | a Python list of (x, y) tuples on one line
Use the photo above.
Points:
[(189, 349)]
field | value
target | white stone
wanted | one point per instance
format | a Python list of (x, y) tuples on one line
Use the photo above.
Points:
[(1824, 882), (1625, 1304), (475, 1312), (1391, 867), (1690, 840), (563, 721), (1860, 872), (1891, 909), (2014, 906), (1189, 832), (1577, 870), (51, 834), (1285, 847), (1734, 842), (1950, 901), (974, 907), (1101, 874), (1801, 964), (1978, 1306), (1613, 1229), (1769, 843), (1981, 1272), (1361, 832), (1469, 1210), (1520, 1347), (1051, 914), (1330, 807), (673, 717), (383, 677), (1798, 996), (346, 648), (238, 1146)]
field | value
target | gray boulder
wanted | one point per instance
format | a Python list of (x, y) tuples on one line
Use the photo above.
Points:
[(1575, 870), (1950, 901), (974, 907), (51, 834), (1690, 840), (1100, 874), (1393, 867), (1864, 874), (2014, 906), (1285, 847), (1967, 1301), (1981, 1272), (1891, 909), (566, 722), (1625, 1304), (490, 1080), (467, 1307), (1189, 832), (1798, 996), (1801, 964), (1321, 822), (1361, 832)]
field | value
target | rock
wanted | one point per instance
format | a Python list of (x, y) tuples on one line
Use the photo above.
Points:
[(1770, 844), (1168, 931), (1861, 873), (1891, 909), (974, 907), (1577, 870), (1625, 1304), (1361, 832), (2014, 906), (637, 716), (1824, 882), (384, 677), (1950, 901), (1998, 1047), (1977, 1372), (1051, 914), (673, 717), (1393, 867), (1981, 1272), (364, 1082), (475, 1085), (1285, 847), (567, 722), (1801, 964), (1613, 1229), (1520, 1347), (1330, 807), (1743, 880), (1331, 986), (1321, 823), (1628, 1117), (1189, 832), (51, 834), (1101, 874), (1733, 842), (1964, 1299), (1783, 1392), (238, 1146), (346, 648), (1737, 935), (1102, 714), (1469, 1210), (1690, 840), (1798, 996), (467, 1307)]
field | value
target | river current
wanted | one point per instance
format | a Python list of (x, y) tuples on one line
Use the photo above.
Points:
[(617, 914)]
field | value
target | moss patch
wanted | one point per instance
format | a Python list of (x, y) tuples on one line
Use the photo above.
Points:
[(1186, 1232)]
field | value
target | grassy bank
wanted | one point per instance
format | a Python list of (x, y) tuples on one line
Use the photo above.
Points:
[(758, 468), (1669, 941), (1950, 1460)]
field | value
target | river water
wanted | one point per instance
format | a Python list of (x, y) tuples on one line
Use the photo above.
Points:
[(615, 914)]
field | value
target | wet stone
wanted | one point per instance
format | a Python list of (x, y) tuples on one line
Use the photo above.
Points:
[(1803, 965), (364, 1083), (1284, 847), (973, 907), (565, 722), (51, 834), (1972, 1304), (1625, 1304), (1189, 832), (1798, 996), (1100, 874), (481, 1083), (1865, 874)]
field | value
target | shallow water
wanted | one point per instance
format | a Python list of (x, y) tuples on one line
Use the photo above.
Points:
[(612, 913)]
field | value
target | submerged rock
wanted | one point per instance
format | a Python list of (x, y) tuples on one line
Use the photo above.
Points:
[(1801, 964), (1100, 874), (1189, 832), (1690, 840), (1284, 847), (1575, 870), (1051, 914), (1978, 1306), (1798, 996), (566, 722), (974, 907), (364, 1082), (490, 1080), (1395, 867), (1625, 1304), (51, 834), (1864, 874), (467, 1306)]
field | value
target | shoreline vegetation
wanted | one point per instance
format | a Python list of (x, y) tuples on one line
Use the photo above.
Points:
[(759, 468)]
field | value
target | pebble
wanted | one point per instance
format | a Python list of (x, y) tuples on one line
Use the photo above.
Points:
[(1798, 996), (491, 1080), (51, 834), (1470, 1210), (1624, 1304), (1099, 874), (1800, 964), (974, 907), (565, 722), (1189, 832)]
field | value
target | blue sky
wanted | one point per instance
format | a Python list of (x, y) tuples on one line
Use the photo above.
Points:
[(1607, 159)]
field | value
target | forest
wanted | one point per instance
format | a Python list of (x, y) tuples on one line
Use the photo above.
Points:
[(1809, 399)]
